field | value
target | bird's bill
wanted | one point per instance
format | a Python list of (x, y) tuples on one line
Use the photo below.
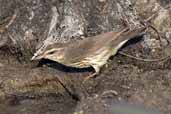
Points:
[(36, 57)]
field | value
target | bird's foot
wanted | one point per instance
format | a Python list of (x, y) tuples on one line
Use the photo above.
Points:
[(90, 76)]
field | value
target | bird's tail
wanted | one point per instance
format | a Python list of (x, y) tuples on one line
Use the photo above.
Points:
[(127, 34), (124, 37)]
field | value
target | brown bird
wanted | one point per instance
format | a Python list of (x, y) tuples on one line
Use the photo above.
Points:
[(89, 52)]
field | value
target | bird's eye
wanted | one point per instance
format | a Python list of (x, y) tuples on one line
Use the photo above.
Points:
[(52, 52)]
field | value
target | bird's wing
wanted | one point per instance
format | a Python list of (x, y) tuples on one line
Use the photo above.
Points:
[(83, 48), (78, 50), (105, 38), (125, 36)]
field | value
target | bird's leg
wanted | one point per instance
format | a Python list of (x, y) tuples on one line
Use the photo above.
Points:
[(97, 70), (90, 76)]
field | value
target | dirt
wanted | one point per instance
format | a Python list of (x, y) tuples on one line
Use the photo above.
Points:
[(126, 78), (28, 87)]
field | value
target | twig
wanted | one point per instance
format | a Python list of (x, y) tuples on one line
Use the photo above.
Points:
[(3, 42), (147, 23), (2, 29), (12, 19), (67, 90), (141, 59), (108, 92)]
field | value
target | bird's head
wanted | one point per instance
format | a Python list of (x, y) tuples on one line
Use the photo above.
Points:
[(54, 53)]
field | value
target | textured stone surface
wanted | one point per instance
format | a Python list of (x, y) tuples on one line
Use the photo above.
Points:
[(26, 87)]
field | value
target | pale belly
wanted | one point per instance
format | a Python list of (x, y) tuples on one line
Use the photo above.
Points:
[(99, 60)]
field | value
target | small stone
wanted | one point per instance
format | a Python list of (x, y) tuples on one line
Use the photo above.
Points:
[(102, 0), (167, 51), (1, 65)]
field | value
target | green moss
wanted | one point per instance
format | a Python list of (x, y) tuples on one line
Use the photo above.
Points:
[(80, 112)]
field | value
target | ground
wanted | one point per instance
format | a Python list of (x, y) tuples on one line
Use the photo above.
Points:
[(37, 87)]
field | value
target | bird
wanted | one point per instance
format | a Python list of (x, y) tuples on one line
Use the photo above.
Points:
[(92, 51)]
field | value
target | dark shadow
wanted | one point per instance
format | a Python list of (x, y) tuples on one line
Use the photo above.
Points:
[(62, 67), (132, 41)]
